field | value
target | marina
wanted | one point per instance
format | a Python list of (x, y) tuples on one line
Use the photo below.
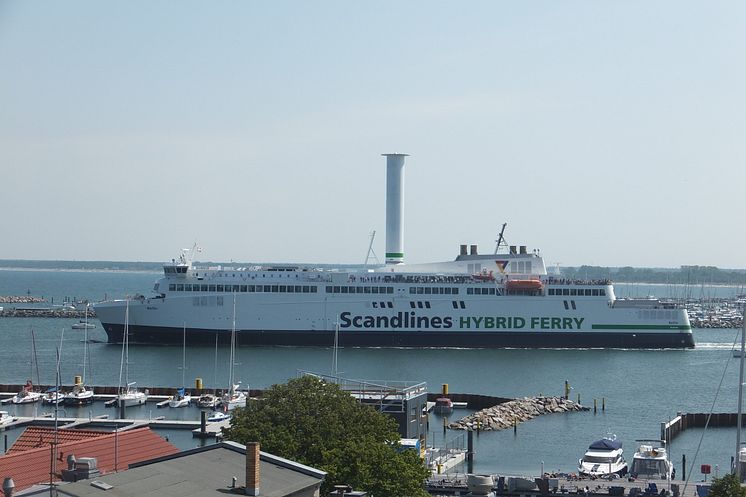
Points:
[(687, 378)]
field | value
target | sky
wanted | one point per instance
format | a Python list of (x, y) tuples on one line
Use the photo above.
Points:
[(603, 133)]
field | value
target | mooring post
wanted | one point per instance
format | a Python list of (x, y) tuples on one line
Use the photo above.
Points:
[(445, 420), (683, 467), (603, 403), (202, 422), (121, 409), (515, 427), (470, 451), (595, 408), (578, 398)]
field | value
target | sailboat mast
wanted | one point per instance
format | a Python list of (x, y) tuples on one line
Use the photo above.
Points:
[(736, 464), (183, 357)]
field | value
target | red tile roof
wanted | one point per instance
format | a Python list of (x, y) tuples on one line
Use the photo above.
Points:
[(34, 437), (31, 466)]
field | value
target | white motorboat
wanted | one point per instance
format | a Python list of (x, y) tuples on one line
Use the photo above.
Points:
[(52, 397), (131, 396), (651, 461), (217, 416), (208, 400), (5, 418), (181, 399), (79, 396), (27, 395), (603, 458)]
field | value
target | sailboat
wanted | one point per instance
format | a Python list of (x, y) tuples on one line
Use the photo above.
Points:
[(80, 395), (208, 399), (181, 399), (130, 395), (234, 397), (28, 395)]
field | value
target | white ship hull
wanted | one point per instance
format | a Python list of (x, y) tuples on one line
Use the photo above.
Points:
[(402, 319)]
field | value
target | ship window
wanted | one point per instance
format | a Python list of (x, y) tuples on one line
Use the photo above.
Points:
[(492, 291), (566, 306), (550, 291), (180, 288), (282, 288), (427, 304), (594, 292), (195, 288), (588, 292), (447, 291), (236, 288), (469, 291), (411, 304), (565, 291), (382, 305), (382, 289), (454, 291), (251, 288), (572, 303), (420, 290), (428, 291), (573, 291), (187, 288), (390, 305), (344, 289), (244, 288), (351, 289), (336, 289), (275, 288), (463, 305), (313, 289), (358, 289), (366, 289), (455, 304), (220, 288), (419, 304), (298, 289), (412, 290), (172, 287), (602, 291), (374, 289), (203, 288), (329, 289), (267, 288), (390, 289)]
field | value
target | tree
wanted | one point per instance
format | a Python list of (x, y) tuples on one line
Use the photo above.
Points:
[(318, 424), (727, 486)]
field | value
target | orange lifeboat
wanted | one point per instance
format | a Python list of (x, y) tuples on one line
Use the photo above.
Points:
[(524, 284)]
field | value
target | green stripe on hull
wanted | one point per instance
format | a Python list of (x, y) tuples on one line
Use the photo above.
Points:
[(641, 327), (395, 255)]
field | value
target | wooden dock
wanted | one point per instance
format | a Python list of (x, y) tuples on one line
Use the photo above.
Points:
[(682, 421)]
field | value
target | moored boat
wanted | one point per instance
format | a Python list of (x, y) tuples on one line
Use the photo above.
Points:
[(651, 461), (603, 458), (27, 395), (500, 300), (5, 418)]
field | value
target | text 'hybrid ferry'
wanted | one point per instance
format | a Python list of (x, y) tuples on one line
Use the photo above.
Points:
[(501, 300)]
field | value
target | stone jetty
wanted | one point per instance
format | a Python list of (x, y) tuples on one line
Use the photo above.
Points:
[(20, 299), (509, 414)]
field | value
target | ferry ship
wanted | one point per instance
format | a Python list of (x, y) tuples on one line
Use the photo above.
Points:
[(501, 300)]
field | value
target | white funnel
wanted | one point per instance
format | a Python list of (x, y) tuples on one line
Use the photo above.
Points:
[(394, 207)]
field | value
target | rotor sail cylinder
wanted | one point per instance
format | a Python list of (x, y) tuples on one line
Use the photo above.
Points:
[(394, 208)]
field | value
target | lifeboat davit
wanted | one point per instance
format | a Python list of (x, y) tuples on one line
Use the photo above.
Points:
[(524, 284)]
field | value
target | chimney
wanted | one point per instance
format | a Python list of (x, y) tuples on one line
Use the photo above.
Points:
[(473, 250), (252, 468), (463, 250), (394, 207), (8, 486)]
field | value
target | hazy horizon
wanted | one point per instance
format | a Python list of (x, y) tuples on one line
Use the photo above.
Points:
[(604, 134)]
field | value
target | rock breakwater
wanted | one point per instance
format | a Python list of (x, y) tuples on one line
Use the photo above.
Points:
[(510, 413), (20, 299)]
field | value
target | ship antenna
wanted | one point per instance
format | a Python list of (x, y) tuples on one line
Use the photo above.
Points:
[(371, 251), (501, 239)]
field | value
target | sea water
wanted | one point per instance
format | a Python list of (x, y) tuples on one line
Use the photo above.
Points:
[(640, 388)]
